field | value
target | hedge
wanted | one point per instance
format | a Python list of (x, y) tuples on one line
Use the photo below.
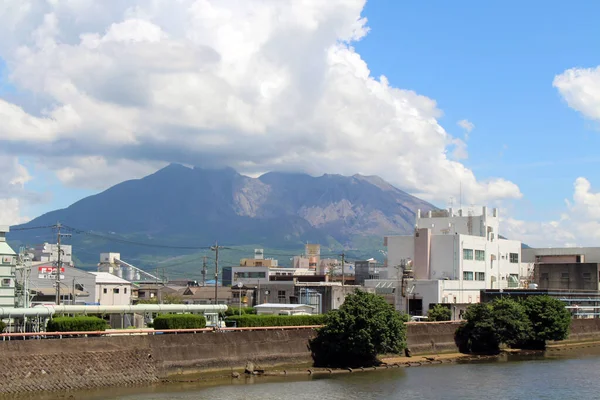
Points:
[(2, 326), (76, 324), (179, 321), (276, 320), (231, 311)]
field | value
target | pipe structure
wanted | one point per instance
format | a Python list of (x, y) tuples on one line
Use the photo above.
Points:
[(43, 311)]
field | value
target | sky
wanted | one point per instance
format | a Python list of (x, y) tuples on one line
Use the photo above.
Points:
[(499, 101)]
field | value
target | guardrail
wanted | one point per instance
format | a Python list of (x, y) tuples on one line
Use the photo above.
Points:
[(137, 332)]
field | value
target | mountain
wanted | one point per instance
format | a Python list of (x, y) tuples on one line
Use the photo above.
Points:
[(181, 206)]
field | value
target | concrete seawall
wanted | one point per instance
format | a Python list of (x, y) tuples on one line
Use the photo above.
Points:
[(86, 363)]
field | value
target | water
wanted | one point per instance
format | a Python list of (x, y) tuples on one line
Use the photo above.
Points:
[(571, 375)]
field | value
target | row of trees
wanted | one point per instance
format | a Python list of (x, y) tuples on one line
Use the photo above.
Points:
[(524, 323)]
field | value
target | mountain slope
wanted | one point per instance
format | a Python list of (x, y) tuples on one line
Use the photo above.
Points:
[(191, 206)]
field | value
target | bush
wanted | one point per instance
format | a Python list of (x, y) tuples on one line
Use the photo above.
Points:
[(76, 324), (550, 320), (439, 313), (527, 324), (249, 320), (179, 321), (2, 326), (231, 311), (364, 327)]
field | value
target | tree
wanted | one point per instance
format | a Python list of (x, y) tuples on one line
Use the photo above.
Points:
[(364, 327), (478, 334), (550, 320), (511, 322), (439, 313)]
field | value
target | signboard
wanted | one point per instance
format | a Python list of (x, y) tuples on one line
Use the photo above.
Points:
[(48, 272), (7, 260)]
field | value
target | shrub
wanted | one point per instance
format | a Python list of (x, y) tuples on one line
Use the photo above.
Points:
[(2, 326), (76, 324), (353, 336), (478, 334), (511, 321), (231, 311), (550, 320), (179, 321), (439, 313), (249, 320)]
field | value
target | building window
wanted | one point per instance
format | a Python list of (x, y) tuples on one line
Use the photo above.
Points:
[(281, 296), (514, 258), (105, 290), (587, 276), (467, 254), (116, 290), (468, 275), (125, 290), (480, 276), (544, 275), (564, 275), (480, 255), (5, 282)]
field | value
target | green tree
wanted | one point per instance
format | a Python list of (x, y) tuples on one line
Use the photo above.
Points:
[(478, 334), (511, 321), (439, 313), (550, 320), (364, 327)]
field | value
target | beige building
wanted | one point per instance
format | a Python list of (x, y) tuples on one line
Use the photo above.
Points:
[(112, 290)]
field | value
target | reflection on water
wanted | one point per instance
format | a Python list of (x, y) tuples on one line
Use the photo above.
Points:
[(560, 375)]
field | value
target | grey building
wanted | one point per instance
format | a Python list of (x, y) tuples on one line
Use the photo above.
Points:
[(76, 286), (369, 269), (567, 276)]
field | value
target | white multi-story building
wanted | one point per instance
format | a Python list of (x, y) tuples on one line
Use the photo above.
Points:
[(8, 259), (453, 257), (48, 252)]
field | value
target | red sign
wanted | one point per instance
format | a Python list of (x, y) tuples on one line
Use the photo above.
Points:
[(50, 270)]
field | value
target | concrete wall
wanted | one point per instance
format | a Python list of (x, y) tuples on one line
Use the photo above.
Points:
[(561, 276)]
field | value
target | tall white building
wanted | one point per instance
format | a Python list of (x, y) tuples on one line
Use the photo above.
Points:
[(8, 259), (453, 257), (48, 252)]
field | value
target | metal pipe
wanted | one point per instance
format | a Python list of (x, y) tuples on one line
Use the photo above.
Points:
[(130, 309)]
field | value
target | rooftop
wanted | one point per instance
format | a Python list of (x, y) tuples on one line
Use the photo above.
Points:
[(282, 306), (105, 277)]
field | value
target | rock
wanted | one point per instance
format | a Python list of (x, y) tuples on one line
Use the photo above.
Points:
[(235, 375), (407, 352), (249, 367)]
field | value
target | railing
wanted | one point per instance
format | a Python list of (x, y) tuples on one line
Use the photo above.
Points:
[(128, 332)]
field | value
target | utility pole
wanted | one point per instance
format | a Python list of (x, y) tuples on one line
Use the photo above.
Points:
[(204, 270), (215, 248), (343, 265), (59, 261)]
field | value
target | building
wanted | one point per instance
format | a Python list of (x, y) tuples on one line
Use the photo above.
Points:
[(369, 269), (112, 290), (248, 276), (284, 309), (48, 253), (206, 295), (450, 258), (76, 286), (259, 260), (8, 260), (567, 276)]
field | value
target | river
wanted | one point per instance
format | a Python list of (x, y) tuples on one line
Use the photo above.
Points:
[(570, 374)]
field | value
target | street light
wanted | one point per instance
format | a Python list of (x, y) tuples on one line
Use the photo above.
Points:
[(240, 285)]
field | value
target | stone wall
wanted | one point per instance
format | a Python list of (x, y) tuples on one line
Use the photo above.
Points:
[(431, 337)]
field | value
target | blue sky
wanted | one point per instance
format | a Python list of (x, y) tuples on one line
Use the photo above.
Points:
[(493, 63)]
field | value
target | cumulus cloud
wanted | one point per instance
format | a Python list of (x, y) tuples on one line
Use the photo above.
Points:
[(578, 225), (580, 87), (13, 177), (467, 125), (255, 85)]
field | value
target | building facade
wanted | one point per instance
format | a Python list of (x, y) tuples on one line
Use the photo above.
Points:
[(48, 252), (8, 260), (451, 258), (112, 290), (76, 286)]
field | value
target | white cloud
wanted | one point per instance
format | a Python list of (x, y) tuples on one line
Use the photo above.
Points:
[(578, 225), (13, 177), (256, 85), (580, 87), (467, 125)]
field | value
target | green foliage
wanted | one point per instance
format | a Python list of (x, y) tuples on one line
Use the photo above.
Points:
[(76, 324), (179, 321), (165, 299), (439, 313), (527, 324), (249, 320), (2, 326), (550, 320), (236, 311), (353, 336)]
